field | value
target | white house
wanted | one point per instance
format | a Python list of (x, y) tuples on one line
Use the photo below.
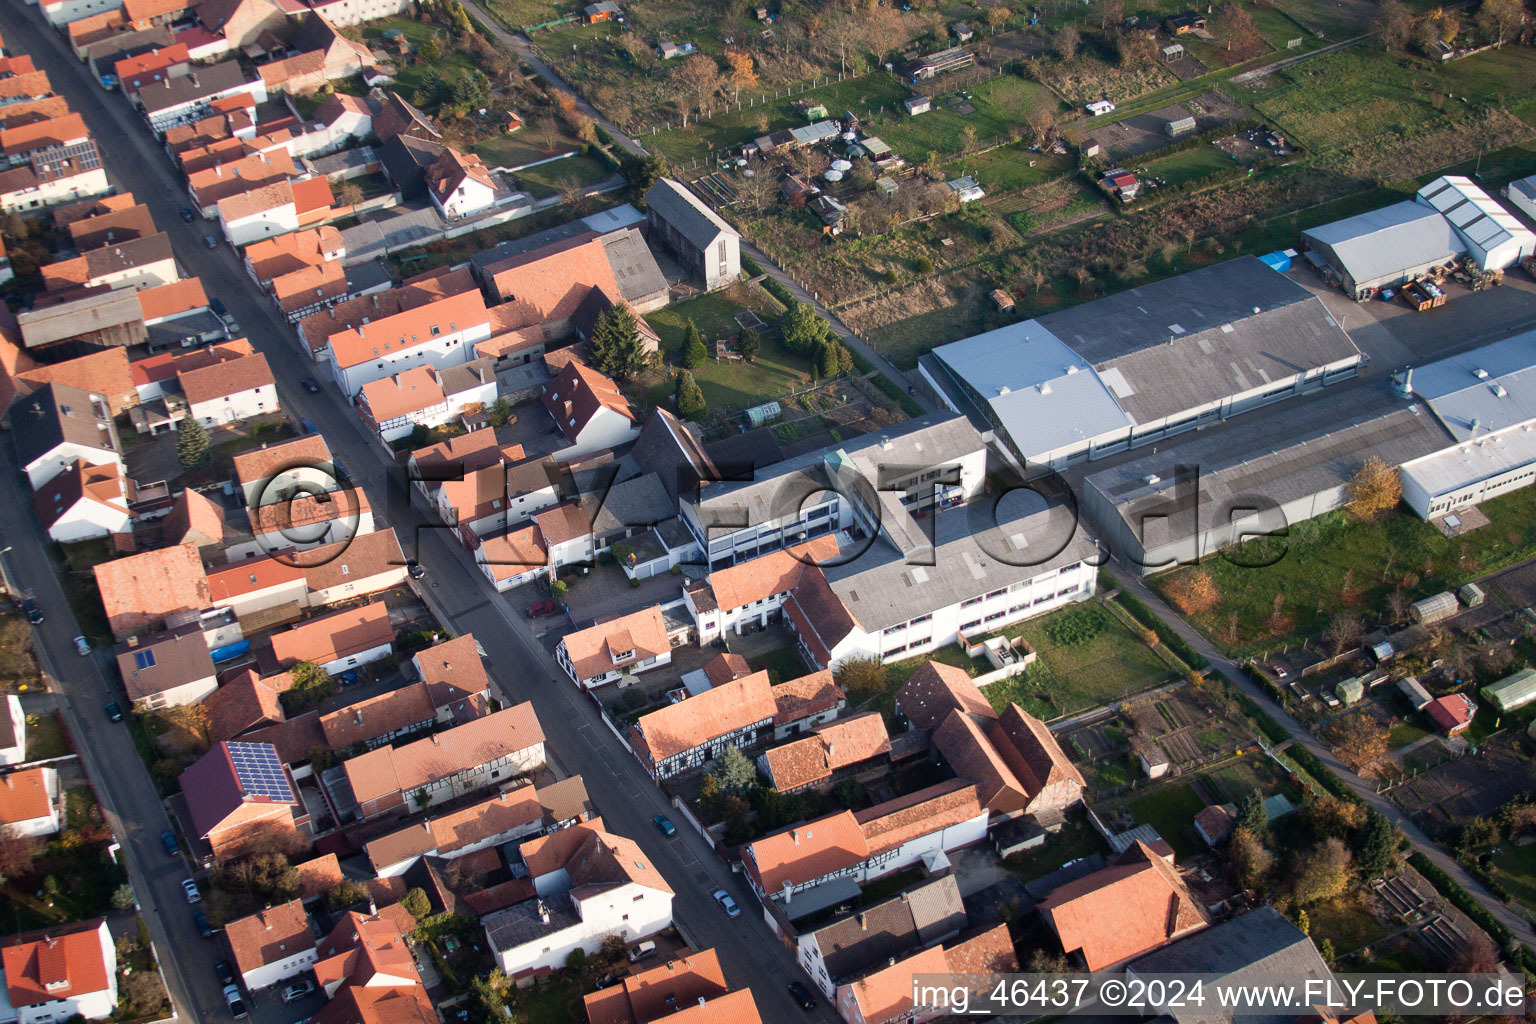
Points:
[(821, 863), (55, 175), (440, 334), (590, 885), (85, 501), (272, 945), (514, 558), (277, 473), (425, 396), (57, 426), (337, 642), (460, 185), (492, 498), (61, 972), (181, 99), (701, 240), (566, 532), (306, 522), (590, 411), (167, 670), (750, 594), (354, 12), (62, 12), (14, 748), (231, 391), (608, 651), (29, 802), (503, 818)]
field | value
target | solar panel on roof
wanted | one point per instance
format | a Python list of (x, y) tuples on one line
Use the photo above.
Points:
[(260, 772)]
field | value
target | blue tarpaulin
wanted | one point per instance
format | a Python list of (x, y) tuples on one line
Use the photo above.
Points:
[(230, 651)]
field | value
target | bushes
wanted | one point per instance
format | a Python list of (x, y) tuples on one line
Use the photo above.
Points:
[(1080, 627), (1172, 640), (750, 267), (1309, 763), (890, 389), (1468, 904), (1272, 730), (775, 289)]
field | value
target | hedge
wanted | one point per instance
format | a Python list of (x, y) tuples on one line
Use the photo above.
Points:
[(1272, 730), (750, 267), (777, 290), (1309, 763), (1171, 639), (1468, 904), (893, 391)]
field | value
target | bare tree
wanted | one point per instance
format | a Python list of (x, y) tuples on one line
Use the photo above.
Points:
[(1066, 41), (1395, 23), (758, 191), (1499, 18), (697, 77), (16, 852)]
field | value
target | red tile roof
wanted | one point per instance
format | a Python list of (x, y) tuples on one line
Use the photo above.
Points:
[(563, 523), (312, 194), (244, 703), (697, 720), (295, 250), (378, 716), (223, 380), (646, 996), (807, 852), (143, 589), (104, 373), (169, 299), (24, 795), (459, 829), (577, 393), (809, 695), (1129, 908), (763, 577), (550, 283), (334, 636), (236, 579), (66, 961), (408, 329), (261, 463), (269, 936), (403, 393), (319, 876), (590, 650), (452, 670), (387, 770), (886, 994), (831, 748), (82, 482), (935, 690)]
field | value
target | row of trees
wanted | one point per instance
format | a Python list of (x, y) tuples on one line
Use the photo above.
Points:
[(1495, 21)]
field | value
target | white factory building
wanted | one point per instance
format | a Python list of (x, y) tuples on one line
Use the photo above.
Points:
[(1137, 367), (1486, 400)]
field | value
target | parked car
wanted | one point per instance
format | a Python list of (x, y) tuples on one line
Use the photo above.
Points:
[(541, 608), (187, 215), (189, 887), (726, 903), (217, 305), (168, 840), (236, 1004), (82, 646), (201, 920), (802, 995), (414, 569), (664, 826), (210, 241), (34, 613), (298, 990), (311, 385), (224, 971), (114, 713), (307, 427)]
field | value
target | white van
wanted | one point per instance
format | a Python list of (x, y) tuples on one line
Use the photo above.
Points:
[(644, 951)]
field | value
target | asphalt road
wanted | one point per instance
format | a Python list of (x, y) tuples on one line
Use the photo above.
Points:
[(520, 668)]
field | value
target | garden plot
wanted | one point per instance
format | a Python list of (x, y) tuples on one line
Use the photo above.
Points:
[(1460, 791), (1143, 133), (1186, 726)]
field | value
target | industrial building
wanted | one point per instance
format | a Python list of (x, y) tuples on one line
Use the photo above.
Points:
[(1486, 400), (1250, 478), (1139, 366), (1447, 219)]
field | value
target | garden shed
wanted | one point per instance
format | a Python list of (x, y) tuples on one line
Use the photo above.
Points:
[(1434, 608), (765, 413)]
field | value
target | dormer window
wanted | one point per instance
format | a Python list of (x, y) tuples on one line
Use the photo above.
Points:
[(623, 655)]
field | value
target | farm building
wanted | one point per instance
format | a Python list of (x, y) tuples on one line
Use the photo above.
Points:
[(1382, 248), (1522, 195), (1486, 399), (918, 104), (1494, 238), (1137, 367), (1002, 301), (1188, 501), (966, 189), (1452, 714), (933, 64), (1511, 692), (1435, 608), (1414, 690)]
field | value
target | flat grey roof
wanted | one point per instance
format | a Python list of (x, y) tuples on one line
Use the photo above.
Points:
[(933, 440), (1493, 386), (1385, 242), (1043, 393), (978, 548), (1312, 445)]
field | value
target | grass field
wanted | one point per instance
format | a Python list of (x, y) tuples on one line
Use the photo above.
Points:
[(1333, 565), (1190, 165), (46, 738), (1514, 867), (1346, 922), (1170, 809), (740, 384), (1403, 733), (1068, 679), (521, 148), (781, 665), (410, 76), (1008, 167), (551, 178), (1001, 105)]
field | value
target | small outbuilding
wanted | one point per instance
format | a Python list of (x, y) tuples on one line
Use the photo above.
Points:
[(1435, 608), (1349, 690), (1452, 714), (966, 189), (1410, 687), (1174, 127), (1214, 823), (1002, 301), (1173, 52), (918, 104), (963, 32), (606, 10)]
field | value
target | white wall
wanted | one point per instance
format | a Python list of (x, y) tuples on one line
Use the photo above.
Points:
[(66, 11), (444, 351), (352, 661), (59, 190), (470, 197), (606, 429), (257, 401), (180, 696), (352, 12), (90, 1005), (631, 910), (630, 667), (87, 519), (281, 970), (18, 753), (304, 537), (62, 457), (46, 824), (283, 486), (394, 576), (277, 221)]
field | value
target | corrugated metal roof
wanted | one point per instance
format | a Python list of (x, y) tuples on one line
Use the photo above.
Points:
[(1383, 243), (1493, 387), (1475, 214)]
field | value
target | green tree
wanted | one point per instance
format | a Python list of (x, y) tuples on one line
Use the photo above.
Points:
[(500, 413), (802, 329), (1250, 859), (431, 50), (1376, 846), (826, 359), (416, 903), (616, 347), (690, 400), (643, 172), (709, 796), (311, 685), (1251, 815), (558, 590), (488, 996), (734, 773), (1477, 837), (577, 959), (347, 893), (122, 897), (750, 343), (192, 444), (694, 352), (861, 677), (1320, 872), (468, 88)]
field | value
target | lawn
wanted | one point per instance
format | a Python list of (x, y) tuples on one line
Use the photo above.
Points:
[(521, 13), (1236, 779), (1190, 165), (1170, 809), (1001, 106), (1346, 922), (45, 737), (413, 71), (1333, 566), (781, 665), (1010, 167), (742, 385), (552, 178), (1076, 839), (18, 667), (1403, 733), (80, 807), (1514, 867), (1067, 679)]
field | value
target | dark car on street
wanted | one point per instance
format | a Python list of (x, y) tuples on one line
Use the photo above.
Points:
[(802, 995), (168, 840), (200, 918), (224, 971), (34, 613), (311, 385), (186, 215), (664, 826), (114, 713)]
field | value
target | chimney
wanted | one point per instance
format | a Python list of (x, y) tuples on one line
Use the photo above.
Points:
[(794, 834), (702, 1001), (863, 922), (543, 912)]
